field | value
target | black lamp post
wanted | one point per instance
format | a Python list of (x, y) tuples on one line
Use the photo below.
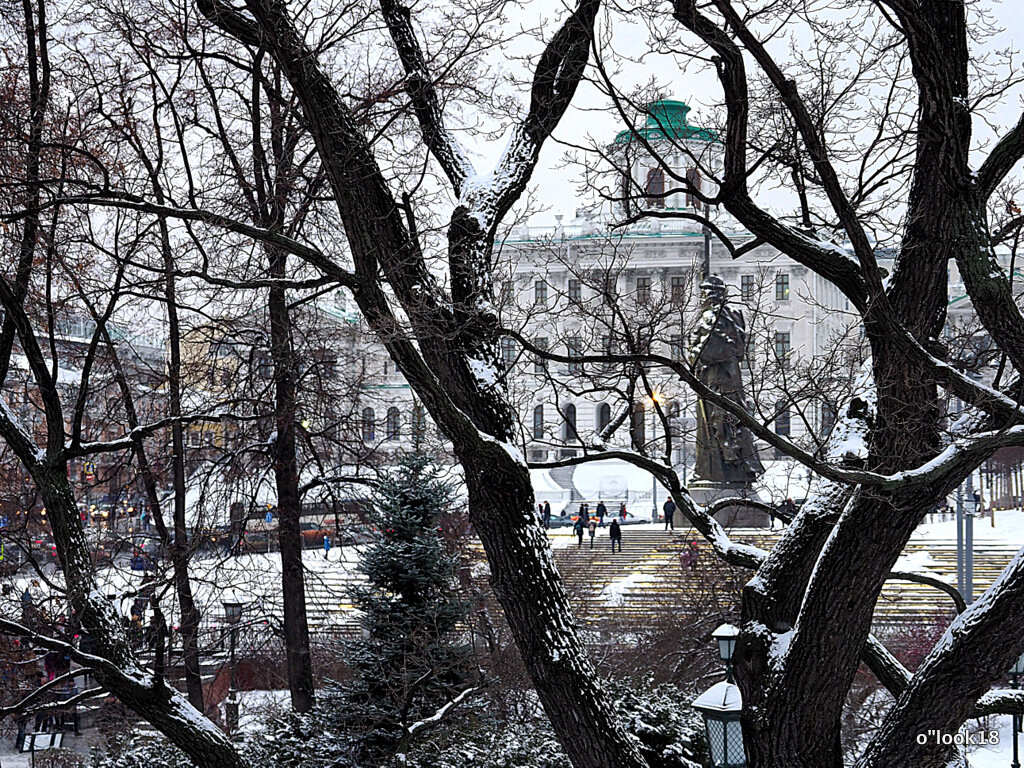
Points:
[(233, 615), (726, 636), (1015, 672), (721, 705)]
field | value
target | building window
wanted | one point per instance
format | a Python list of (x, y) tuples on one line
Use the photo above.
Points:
[(574, 348), (604, 416), (782, 418), (539, 363), (538, 423), (643, 290), (655, 189), (783, 348), (369, 425), (677, 349), (508, 350), (575, 289), (506, 292), (393, 423), (540, 293), (678, 293), (693, 182), (828, 418), (569, 423), (782, 286), (748, 288)]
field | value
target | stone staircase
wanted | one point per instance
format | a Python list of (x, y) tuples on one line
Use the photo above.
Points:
[(646, 578)]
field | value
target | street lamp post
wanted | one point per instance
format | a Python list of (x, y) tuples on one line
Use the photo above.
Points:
[(726, 636), (1015, 672), (721, 706), (233, 615), (655, 400)]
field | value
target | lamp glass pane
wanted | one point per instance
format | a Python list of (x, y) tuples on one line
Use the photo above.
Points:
[(716, 741), (734, 752), (726, 646), (1018, 666)]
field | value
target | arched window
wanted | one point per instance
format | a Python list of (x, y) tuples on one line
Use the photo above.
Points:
[(782, 418), (569, 423), (393, 423), (637, 422), (655, 189), (604, 416), (369, 426), (538, 423)]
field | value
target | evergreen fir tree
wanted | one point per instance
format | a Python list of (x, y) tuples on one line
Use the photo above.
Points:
[(411, 660)]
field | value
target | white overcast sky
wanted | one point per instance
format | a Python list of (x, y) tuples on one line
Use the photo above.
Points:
[(555, 187)]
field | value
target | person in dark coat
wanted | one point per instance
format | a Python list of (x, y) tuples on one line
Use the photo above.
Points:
[(602, 510), (669, 509), (592, 527), (622, 511), (545, 514), (578, 530), (615, 534)]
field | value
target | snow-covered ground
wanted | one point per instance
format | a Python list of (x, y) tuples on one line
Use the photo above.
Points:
[(998, 755), (1008, 529), (615, 593)]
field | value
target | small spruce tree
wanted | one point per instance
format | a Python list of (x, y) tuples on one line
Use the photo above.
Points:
[(411, 660)]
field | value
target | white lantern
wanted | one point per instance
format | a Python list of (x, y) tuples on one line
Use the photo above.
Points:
[(721, 705), (726, 636)]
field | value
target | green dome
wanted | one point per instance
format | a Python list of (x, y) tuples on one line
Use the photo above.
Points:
[(666, 119)]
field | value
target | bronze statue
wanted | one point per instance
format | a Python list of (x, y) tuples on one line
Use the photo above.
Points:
[(725, 448)]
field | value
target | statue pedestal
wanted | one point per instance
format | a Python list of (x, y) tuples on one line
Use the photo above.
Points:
[(737, 515)]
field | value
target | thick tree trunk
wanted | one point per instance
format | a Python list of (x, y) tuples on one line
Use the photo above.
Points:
[(536, 607), (289, 504)]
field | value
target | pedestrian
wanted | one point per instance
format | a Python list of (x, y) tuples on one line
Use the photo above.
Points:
[(615, 534), (669, 509), (578, 530), (545, 514), (592, 527), (622, 511), (694, 555), (327, 547), (602, 510)]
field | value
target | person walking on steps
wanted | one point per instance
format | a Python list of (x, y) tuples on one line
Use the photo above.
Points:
[(669, 509), (615, 534), (622, 511), (592, 527), (578, 530)]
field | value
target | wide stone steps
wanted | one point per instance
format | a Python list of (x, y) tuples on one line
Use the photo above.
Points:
[(647, 578)]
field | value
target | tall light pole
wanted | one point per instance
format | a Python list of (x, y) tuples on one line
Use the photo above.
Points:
[(1015, 673), (655, 400), (233, 615)]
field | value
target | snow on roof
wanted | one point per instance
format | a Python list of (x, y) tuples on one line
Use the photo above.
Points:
[(720, 697), (611, 479)]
